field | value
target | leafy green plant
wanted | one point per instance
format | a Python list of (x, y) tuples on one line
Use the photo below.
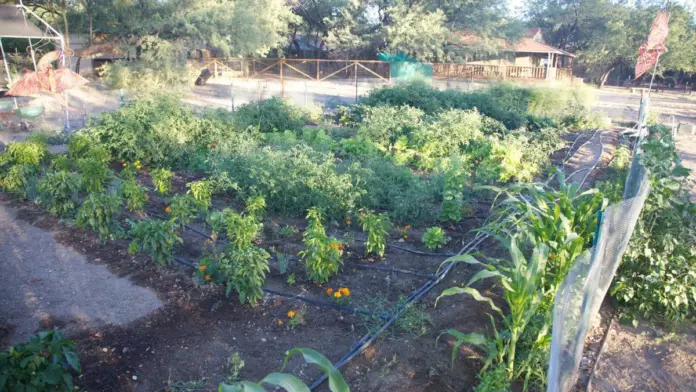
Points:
[(202, 192), (134, 195), (452, 194), (290, 382), (657, 275), (45, 363), (156, 237), (241, 230), (20, 180), (377, 228), (58, 192), (162, 181), (182, 210), (434, 238), (24, 153), (236, 364), (283, 261), (270, 115), (95, 174), (322, 254), (100, 213), (521, 281), (256, 207), (245, 270)]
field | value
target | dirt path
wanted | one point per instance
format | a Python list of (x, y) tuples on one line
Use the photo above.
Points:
[(44, 283)]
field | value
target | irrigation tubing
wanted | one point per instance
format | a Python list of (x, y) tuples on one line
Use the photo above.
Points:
[(368, 339), (572, 153), (418, 252)]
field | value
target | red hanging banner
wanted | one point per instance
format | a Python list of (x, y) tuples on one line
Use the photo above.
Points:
[(654, 44)]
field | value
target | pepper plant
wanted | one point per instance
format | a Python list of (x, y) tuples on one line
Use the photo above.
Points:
[(100, 213), (58, 192), (156, 237), (377, 228), (322, 254)]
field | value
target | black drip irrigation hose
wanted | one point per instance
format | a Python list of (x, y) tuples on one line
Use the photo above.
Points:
[(315, 302), (419, 293), (418, 252)]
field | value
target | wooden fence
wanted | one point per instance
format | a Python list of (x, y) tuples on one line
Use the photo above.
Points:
[(322, 70)]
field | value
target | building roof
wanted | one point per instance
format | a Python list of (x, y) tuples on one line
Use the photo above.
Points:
[(14, 25), (526, 44)]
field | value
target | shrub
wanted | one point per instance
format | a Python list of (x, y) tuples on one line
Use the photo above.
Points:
[(270, 115), (162, 181), (434, 238), (377, 228), (358, 147), (45, 363), (100, 213), (155, 236), (95, 174), (383, 125), (322, 254), (58, 192), (134, 195), (448, 133)]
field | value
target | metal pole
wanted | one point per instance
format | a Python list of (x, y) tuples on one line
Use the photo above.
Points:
[(33, 58), (356, 81), (7, 69)]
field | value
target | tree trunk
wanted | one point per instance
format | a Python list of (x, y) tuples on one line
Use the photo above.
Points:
[(605, 76), (91, 32)]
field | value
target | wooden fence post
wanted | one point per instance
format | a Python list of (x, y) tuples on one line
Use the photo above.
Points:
[(318, 74), (282, 81)]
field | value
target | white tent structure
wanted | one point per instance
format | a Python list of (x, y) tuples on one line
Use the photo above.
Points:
[(18, 21)]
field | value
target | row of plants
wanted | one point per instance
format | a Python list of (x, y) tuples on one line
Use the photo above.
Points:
[(657, 276), (545, 229)]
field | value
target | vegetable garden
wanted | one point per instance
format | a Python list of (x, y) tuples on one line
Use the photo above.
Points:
[(287, 220)]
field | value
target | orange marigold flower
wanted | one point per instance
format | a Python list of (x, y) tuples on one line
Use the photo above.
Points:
[(345, 291), (167, 210), (341, 247), (203, 268), (291, 314), (207, 277), (329, 291), (337, 294), (335, 245), (407, 227)]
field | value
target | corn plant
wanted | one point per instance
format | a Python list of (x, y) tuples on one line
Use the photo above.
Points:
[(322, 254), (134, 195), (202, 192), (182, 210), (290, 382), (563, 219), (377, 228), (162, 181), (58, 192), (95, 174), (521, 281), (435, 237), (100, 213), (155, 236), (44, 363)]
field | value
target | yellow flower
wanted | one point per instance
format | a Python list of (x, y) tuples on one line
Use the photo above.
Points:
[(280, 322), (330, 265), (338, 295), (334, 245), (329, 291), (553, 256), (344, 291), (291, 314), (202, 268), (124, 164), (207, 277), (405, 236)]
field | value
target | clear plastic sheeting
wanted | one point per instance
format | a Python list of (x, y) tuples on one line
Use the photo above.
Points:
[(582, 291)]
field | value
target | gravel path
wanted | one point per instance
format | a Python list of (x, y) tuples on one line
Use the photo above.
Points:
[(45, 283)]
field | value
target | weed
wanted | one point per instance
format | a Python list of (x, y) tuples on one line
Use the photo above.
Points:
[(291, 279), (236, 364), (283, 261), (288, 231)]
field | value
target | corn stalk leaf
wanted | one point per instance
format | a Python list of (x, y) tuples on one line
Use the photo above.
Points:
[(286, 381), (242, 386), (336, 381)]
